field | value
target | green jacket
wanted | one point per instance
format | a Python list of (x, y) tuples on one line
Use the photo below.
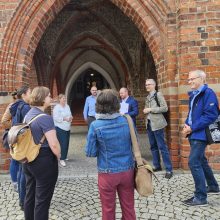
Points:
[(155, 116)]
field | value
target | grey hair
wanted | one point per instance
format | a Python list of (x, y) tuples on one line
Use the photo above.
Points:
[(151, 81), (199, 73)]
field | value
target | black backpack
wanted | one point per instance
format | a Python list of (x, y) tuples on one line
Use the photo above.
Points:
[(165, 114)]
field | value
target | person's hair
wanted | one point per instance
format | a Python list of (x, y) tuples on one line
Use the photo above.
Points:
[(199, 73), (107, 102), (14, 95), (126, 89), (152, 81), (93, 87), (21, 91), (38, 95), (61, 96)]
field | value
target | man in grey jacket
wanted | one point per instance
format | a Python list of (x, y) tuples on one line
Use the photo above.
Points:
[(155, 105)]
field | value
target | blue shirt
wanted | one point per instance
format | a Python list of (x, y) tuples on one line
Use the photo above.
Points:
[(195, 93), (89, 107)]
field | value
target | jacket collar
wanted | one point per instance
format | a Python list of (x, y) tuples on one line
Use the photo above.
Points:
[(107, 116), (190, 93)]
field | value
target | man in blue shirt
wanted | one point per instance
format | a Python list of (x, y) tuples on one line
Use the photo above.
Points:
[(203, 111), (128, 104), (89, 107)]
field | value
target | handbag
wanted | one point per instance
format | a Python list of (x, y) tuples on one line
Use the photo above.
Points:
[(143, 171), (213, 132)]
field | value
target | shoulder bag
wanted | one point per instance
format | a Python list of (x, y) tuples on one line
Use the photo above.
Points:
[(143, 171)]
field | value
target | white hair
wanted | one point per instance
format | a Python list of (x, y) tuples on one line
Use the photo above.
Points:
[(199, 73), (152, 81)]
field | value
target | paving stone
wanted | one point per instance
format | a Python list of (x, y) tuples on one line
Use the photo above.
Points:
[(76, 194)]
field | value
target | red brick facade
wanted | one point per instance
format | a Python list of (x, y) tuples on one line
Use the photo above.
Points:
[(181, 35)]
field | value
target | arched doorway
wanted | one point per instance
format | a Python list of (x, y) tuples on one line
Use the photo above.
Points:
[(134, 48), (81, 89)]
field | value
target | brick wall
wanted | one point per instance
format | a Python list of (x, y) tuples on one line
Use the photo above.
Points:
[(198, 47)]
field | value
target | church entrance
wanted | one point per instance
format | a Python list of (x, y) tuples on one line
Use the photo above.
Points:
[(81, 89)]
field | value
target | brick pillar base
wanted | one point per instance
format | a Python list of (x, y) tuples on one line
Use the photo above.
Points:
[(4, 160)]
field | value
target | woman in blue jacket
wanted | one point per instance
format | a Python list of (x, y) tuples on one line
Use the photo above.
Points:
[(109, 140)]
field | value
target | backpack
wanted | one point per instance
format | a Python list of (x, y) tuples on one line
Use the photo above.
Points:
[(21, 142), (5, 139), (165, 114)]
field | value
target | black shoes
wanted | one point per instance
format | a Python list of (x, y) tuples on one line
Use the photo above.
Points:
[(21, 206), (157, 169), (212, 191), (168, 175), (194, 202)]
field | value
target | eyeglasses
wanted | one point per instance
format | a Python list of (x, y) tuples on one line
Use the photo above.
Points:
[(191, 79), (148, 84)]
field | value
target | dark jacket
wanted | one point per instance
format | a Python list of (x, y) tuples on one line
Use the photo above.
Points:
[(18, 110), (132, 108), (204, 112)]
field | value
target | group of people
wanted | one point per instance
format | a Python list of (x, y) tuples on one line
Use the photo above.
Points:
[(155, 120), (35, 181), (109, 140)]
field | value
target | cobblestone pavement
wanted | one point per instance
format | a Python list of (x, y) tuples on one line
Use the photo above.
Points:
[(76, 193)]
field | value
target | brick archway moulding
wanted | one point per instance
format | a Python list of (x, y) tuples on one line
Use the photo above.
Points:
[(22, 35), (84, 67)]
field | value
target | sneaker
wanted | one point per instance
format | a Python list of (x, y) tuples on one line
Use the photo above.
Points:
[(168, 175), (212, 191), (66, 159), (195, 202), (62, 163), (157, 169), (188, 200)]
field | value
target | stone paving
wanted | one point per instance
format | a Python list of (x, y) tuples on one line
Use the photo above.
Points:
[(76, 193)]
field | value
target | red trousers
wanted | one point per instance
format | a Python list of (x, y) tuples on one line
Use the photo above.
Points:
[(123, 184)]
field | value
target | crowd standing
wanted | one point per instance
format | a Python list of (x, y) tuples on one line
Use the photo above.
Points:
[(109, 140)]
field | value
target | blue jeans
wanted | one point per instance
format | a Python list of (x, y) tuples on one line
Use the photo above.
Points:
[(21, 185), (63, 137), (157, 143), (14, 167), (200, 169)]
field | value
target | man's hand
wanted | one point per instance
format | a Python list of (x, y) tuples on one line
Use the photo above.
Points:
[(147, 110), (186, 130)]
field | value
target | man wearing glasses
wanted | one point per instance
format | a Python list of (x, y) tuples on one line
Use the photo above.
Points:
[(89, 107), (203, 111), (155, 105)]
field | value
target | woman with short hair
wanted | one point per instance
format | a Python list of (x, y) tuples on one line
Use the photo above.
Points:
[(109, 140), (41, 174), (62, 117)]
